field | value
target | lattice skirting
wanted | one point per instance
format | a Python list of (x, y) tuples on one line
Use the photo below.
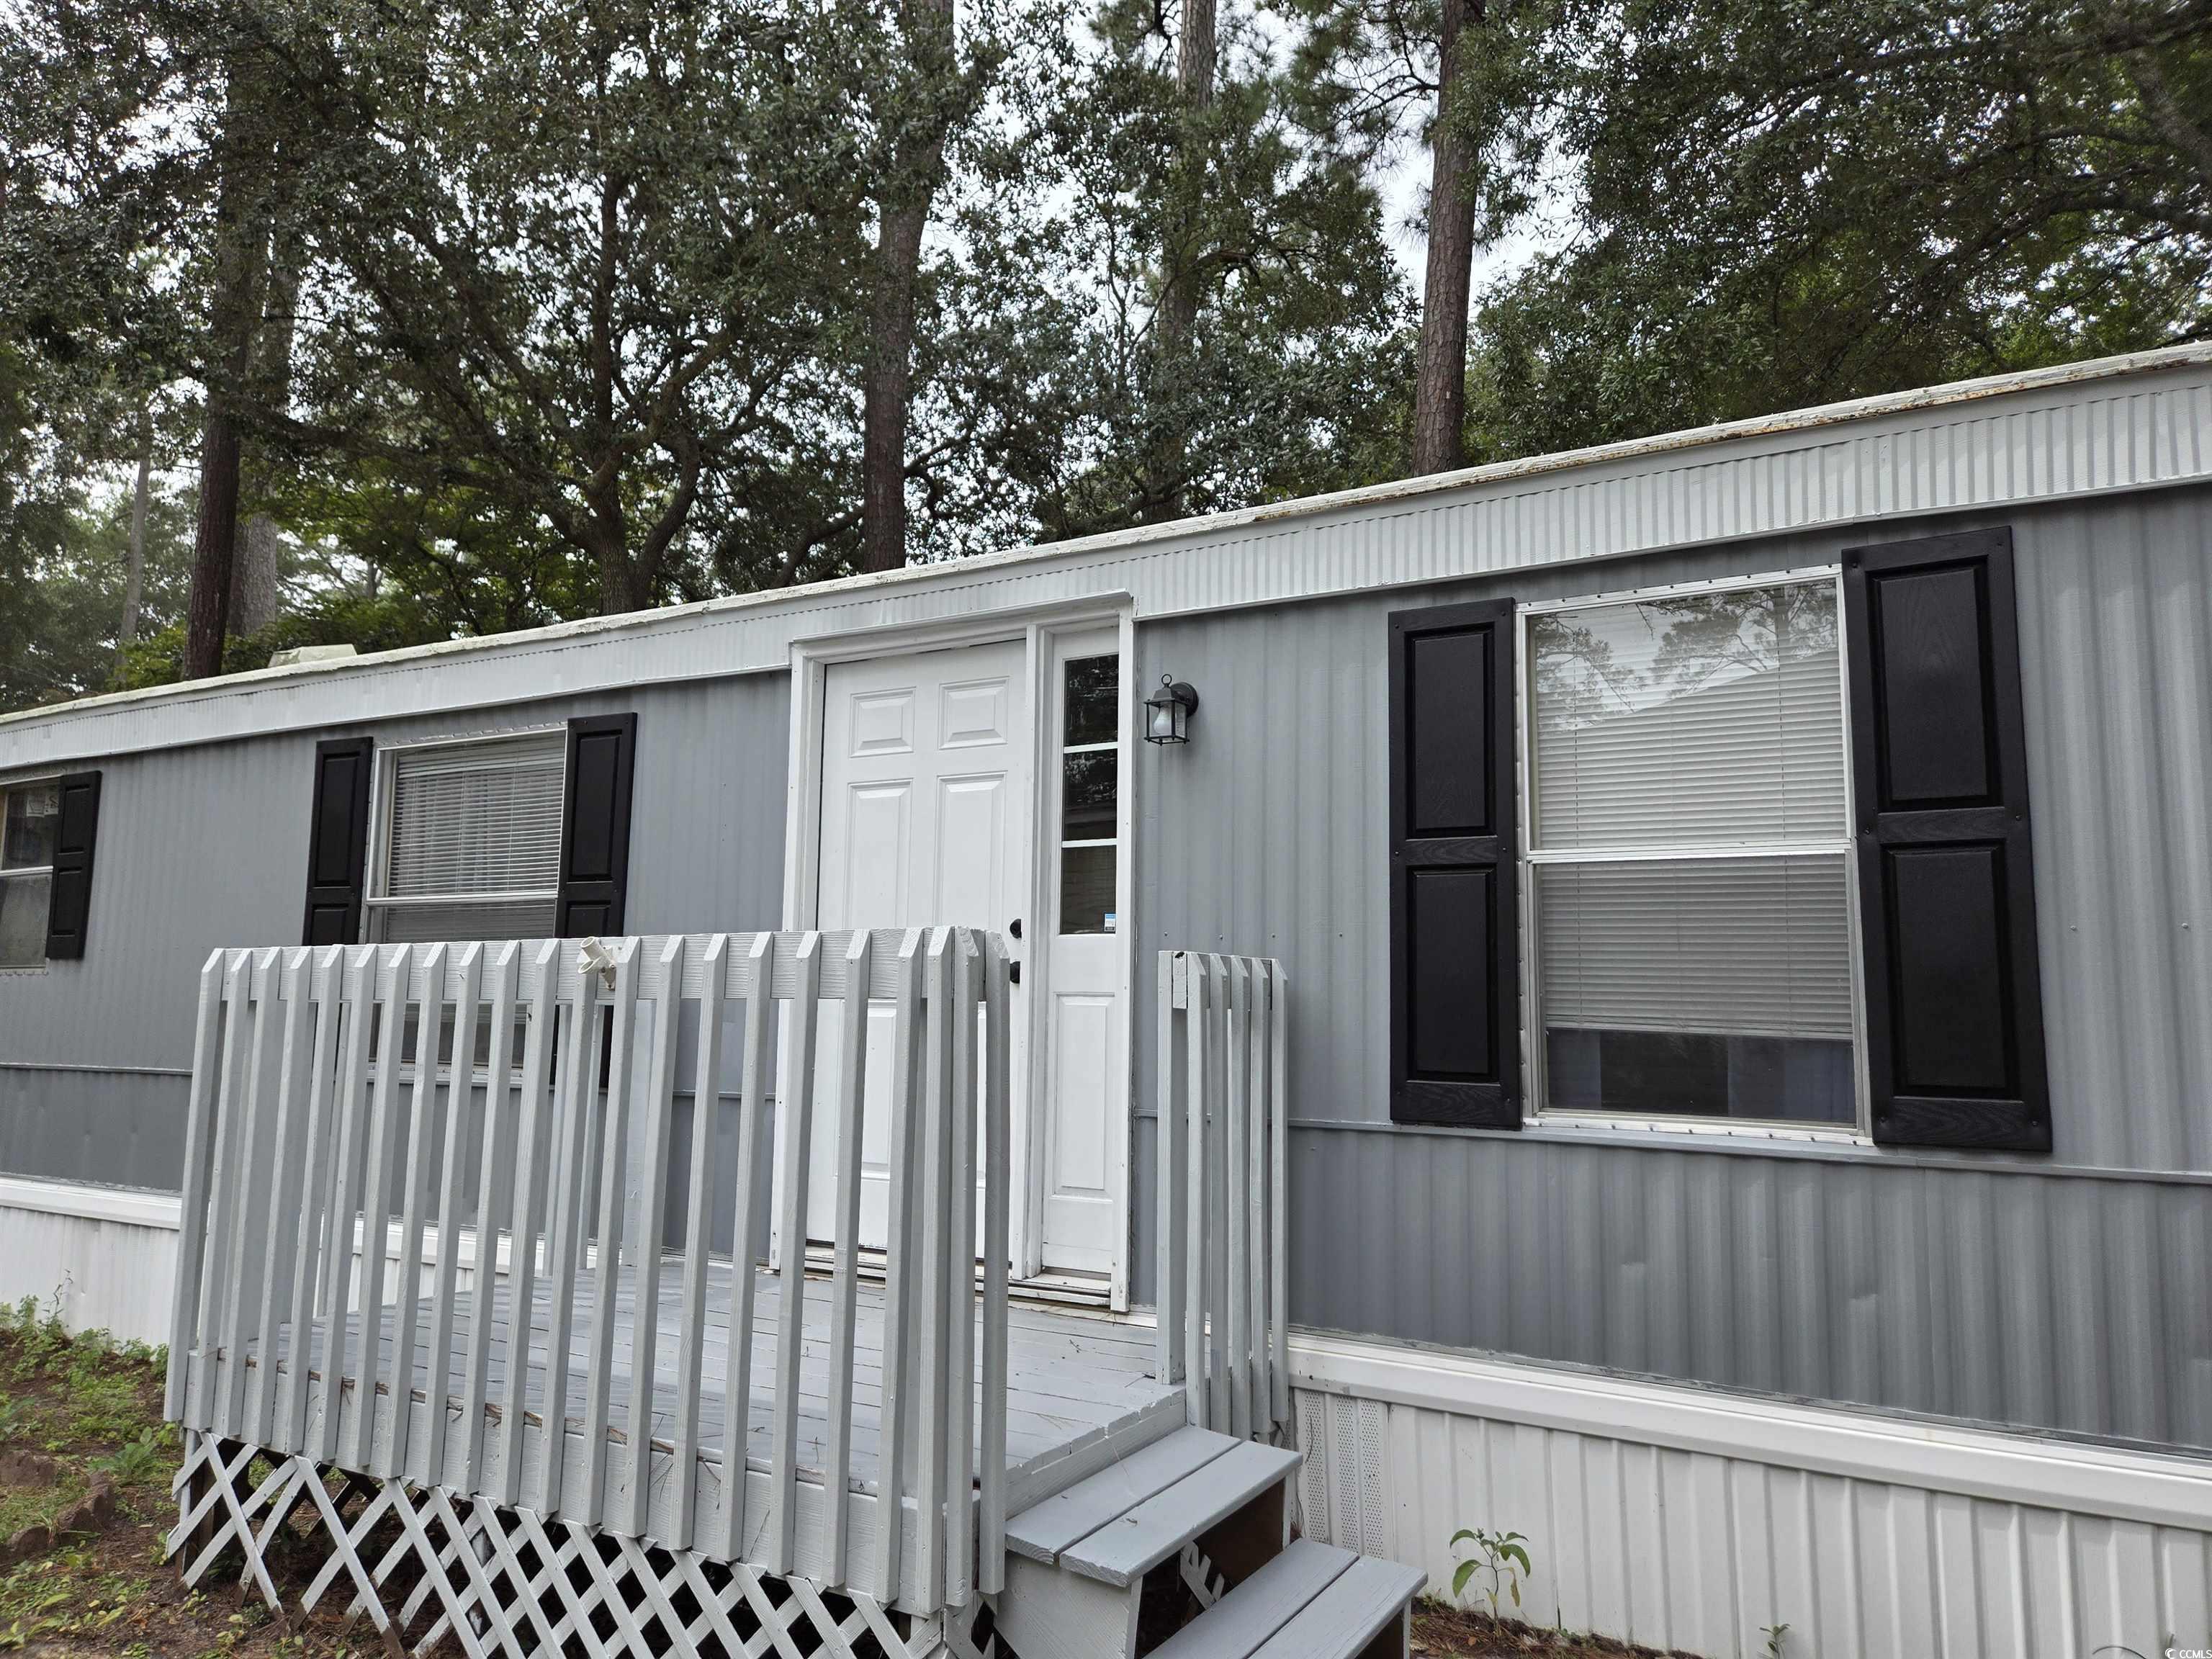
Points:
[(426, 1566)]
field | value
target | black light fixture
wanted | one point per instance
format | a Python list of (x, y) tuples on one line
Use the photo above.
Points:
[(1171, 707)]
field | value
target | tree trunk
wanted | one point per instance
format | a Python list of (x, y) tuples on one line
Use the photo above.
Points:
[(1196, 50), (1440, 370), (134, 580), (888, 396), (256, 593), (255, 588), (241, 252)]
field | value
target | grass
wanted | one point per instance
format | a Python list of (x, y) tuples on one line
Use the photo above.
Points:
[(94, 1407)]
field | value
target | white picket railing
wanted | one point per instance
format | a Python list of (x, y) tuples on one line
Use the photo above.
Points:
[(308, 1142), (1223, 1268)]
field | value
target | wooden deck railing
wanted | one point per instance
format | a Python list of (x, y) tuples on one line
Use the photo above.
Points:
[(1224, 1281), (314, 1127)]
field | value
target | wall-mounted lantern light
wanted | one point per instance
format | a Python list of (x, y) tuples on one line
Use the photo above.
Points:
[(1171, 707)]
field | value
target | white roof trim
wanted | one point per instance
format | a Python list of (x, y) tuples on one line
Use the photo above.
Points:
[(2114, 425)]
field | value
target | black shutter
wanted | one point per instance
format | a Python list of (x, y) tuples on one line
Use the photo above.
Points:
[(1946, 891), (595, 825), (1454, 916), (68, 911), (337, 841)]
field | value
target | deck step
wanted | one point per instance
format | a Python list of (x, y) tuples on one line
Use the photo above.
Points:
[(1126, 1548), (1239, 1625), (1078, 1562), (1369, 1599), (1043, 1530)]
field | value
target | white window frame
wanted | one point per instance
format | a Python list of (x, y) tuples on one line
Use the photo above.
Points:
[(376, 900), (1537, 1110), (7, 786)]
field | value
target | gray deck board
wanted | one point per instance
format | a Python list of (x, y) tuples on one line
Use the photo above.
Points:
[(1236, 1626), (1126, 1548), (1043, 1530), (1072, 1376), (1350, 1614)]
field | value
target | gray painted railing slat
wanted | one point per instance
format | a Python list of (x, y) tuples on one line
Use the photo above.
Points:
[(791, 1329), (494, 1178), (698, 1226), (1223, 1314), (845, 1290)]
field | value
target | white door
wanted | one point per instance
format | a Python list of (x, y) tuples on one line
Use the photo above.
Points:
[(925, 822), (1083, 1148)]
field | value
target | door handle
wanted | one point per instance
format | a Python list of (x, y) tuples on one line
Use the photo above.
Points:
[(1014, 928)]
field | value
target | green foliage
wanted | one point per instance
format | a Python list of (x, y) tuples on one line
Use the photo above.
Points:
[(140, 1462), (560, 310), (1501, 1559), (1774, 1635), (1778, 203)]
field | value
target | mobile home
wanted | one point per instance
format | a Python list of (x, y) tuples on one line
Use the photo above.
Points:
[(1660, 997)]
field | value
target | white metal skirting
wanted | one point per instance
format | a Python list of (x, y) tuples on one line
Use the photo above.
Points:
[(1685, 1519), (103, 1257)]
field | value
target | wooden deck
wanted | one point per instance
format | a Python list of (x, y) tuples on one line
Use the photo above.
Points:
[(1073, 1379)]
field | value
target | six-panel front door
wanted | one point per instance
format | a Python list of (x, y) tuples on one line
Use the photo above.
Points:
[(925, 821)]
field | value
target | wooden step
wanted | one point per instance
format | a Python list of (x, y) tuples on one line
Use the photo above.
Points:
[(1237, 1624), (1126, 1548), (1352, 1616), (1043, 1530)]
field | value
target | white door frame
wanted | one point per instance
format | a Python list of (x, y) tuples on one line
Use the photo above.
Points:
[(1033, 625)]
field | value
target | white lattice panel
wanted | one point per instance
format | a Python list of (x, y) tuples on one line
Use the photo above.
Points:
[(424, 1566)]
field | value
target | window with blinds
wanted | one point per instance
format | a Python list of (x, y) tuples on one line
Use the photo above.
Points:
[(1688, 856), (470, 839)]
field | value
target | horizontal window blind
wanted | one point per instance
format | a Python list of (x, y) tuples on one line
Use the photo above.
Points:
[(478, 818), (1712, 718), (1752, 947)]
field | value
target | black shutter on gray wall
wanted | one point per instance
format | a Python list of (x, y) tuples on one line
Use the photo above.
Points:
[(1946, 889), (337, 841), (1454, 977), (595, 825), (68, 910)]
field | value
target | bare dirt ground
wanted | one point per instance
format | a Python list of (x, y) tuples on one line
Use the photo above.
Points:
[(1449, 1632)]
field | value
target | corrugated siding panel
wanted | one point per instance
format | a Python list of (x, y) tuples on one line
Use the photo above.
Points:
[(2064, 1302), (2071, 1303), (97, 1275), (206, 847), (1702, 1552), (2084, 428)]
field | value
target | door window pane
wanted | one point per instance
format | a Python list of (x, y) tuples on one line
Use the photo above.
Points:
[(1094, 695), (26, 830), (1090, 782), (1086, 890)]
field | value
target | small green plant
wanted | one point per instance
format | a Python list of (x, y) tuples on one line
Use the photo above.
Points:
[(16, 1421), (137, 1461), (1774, 1635), (1502, 1559)]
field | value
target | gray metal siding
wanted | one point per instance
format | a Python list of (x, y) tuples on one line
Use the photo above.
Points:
[(1927, 1282), (207, 847)]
